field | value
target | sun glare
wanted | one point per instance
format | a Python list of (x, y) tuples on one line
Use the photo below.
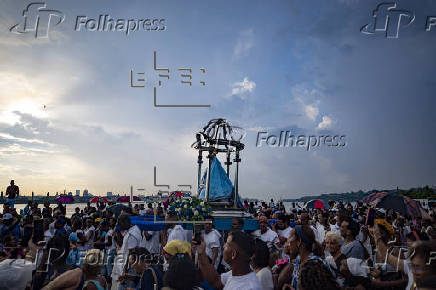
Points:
[(27, 106)]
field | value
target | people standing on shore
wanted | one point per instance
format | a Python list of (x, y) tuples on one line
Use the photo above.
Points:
[(351, 256), (12, 192), (47, 210)]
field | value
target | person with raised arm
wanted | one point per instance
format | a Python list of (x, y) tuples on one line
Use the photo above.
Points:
[(237, 253)]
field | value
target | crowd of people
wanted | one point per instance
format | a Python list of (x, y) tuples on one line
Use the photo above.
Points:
[(341, 247)]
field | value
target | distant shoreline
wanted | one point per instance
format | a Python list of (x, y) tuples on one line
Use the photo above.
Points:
[(42, 199)]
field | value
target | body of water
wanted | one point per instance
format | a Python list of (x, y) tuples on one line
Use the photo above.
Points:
[(70, 207)]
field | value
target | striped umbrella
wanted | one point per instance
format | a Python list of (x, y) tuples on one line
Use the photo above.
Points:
[(398, 203), (373, 196)]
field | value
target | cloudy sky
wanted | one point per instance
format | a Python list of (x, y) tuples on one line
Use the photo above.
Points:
[(70, 120)]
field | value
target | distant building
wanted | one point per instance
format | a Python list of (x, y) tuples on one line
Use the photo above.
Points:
[(109, 194), (85, 193), (77, 192)]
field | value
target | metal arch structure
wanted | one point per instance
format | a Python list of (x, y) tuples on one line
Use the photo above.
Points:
[(219, 136)]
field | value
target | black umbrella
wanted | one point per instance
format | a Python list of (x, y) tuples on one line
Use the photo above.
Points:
[(392, 201), (116, 209)]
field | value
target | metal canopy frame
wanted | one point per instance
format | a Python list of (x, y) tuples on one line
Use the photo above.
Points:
[(218, 136)]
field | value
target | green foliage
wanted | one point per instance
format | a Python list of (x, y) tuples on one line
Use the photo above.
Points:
[(425, 192)]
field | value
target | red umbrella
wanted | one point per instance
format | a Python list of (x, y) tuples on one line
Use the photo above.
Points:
[(99, 199), (127, 199), (315, 204), (176, 194)]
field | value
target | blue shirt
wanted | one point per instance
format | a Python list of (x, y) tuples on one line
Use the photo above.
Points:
[(73, 257), (15, 232)]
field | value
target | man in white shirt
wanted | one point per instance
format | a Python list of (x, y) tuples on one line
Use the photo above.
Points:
[(142, 210), (283, 229), (320, 228), (237, 252), (150, 241), (213, 245), (175, 232), (266, 234), (131, 239), (334, 226)]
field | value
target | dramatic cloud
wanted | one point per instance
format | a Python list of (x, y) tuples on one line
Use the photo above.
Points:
[(69, 118), (242, 88)]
